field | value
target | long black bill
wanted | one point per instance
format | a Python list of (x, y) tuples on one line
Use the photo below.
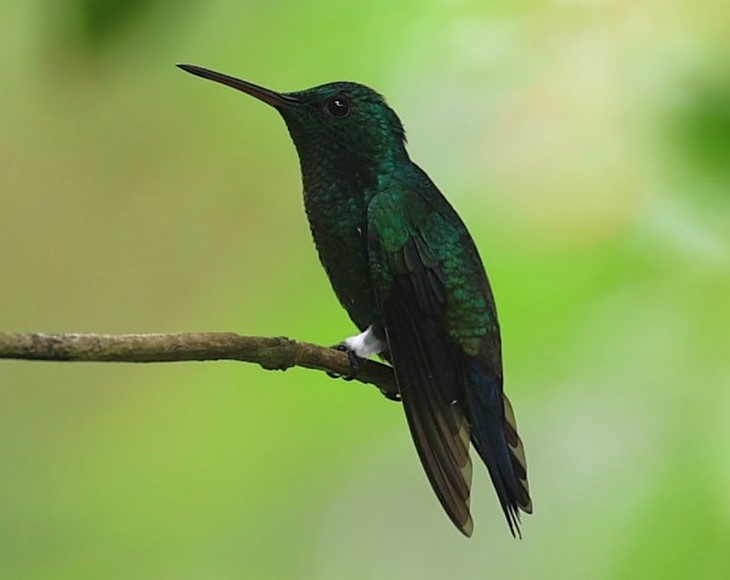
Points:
[(267, 96)]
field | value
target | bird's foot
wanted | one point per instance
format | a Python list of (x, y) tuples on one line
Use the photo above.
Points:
[(354, 363)]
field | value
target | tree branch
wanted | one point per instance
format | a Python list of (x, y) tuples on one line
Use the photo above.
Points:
[(271, 353)]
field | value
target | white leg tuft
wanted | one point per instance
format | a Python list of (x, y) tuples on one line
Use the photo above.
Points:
[(365, 344)]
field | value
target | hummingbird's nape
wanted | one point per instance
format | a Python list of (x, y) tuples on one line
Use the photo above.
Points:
[(263, 94), (406, 270)]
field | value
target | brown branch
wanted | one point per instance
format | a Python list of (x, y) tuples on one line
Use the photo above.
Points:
[(277, 353)]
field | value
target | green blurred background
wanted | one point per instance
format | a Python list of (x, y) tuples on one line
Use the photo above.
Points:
[(587, 145)]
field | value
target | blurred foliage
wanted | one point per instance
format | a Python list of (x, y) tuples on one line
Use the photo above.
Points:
[(704, 128), (101, 20), (585, 143)]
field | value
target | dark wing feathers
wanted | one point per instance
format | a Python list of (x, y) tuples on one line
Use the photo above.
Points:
[(450, 397), (428, 378), (410, 291), (427, 285)]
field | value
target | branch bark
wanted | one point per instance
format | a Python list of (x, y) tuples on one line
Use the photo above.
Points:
[(271, 353)]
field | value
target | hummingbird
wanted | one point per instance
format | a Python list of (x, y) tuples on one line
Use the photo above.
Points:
[(403, 265)]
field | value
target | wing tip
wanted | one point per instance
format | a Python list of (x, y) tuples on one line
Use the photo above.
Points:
[(467, 528)]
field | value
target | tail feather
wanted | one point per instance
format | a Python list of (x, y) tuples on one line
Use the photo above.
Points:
[(517, 454), (495, 437)]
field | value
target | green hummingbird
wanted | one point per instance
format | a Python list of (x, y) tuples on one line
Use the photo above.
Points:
[(406, 270)]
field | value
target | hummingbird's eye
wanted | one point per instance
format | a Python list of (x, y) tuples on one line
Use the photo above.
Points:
[(339, 107)]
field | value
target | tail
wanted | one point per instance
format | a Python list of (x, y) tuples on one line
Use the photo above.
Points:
[(494, 434)]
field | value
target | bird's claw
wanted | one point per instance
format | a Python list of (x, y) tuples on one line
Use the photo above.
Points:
[(354, 363), (391, 396)]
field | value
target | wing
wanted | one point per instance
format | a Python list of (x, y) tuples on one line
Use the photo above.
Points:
[(411, 294), (443, 337)]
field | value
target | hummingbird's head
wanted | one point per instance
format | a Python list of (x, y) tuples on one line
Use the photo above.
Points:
[(346, 117), (342, 125)]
